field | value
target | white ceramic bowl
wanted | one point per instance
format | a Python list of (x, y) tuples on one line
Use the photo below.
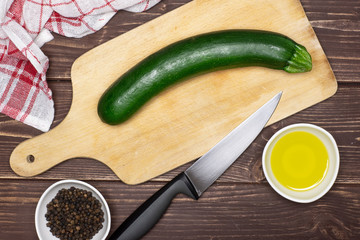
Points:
[(43, 231), (321, 189)]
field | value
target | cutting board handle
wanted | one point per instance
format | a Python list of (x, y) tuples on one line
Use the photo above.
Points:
[(42, 152)]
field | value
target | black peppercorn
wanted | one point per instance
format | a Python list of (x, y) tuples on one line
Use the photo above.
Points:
[(74, 214)]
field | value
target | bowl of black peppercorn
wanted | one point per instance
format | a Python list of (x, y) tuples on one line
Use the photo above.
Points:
[(71, 210)]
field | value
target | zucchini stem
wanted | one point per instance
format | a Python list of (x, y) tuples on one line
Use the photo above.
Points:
[(300, 61)]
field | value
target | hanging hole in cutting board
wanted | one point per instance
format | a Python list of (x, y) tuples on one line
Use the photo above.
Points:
[(30, 158)]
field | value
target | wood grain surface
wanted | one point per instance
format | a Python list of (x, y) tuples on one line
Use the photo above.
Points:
[(241, 204), (203, 109)]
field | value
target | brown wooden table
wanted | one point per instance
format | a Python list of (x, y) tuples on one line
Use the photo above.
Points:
[(241, 204)]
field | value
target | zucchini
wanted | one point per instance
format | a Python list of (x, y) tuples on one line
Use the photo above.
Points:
[(198, 55)]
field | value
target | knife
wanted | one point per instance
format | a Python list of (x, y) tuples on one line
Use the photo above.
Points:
[(199, 176)]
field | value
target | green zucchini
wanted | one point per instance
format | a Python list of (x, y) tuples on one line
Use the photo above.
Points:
[(198, 55)]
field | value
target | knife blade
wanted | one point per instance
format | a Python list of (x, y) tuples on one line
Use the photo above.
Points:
[(199, 176)]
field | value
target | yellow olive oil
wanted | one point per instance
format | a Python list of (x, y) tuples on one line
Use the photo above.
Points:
[(299, 160)]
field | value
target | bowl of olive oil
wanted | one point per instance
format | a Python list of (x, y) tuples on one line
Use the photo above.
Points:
[(301, 162)]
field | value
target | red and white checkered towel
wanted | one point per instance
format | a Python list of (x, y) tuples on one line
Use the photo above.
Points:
[(25, 25)]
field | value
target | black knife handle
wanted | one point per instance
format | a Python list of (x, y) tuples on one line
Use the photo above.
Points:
[(150, 212)]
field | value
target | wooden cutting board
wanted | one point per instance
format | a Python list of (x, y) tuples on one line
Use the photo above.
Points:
[(186, 120)]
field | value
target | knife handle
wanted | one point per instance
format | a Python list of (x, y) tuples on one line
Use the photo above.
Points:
[(150, 212)]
